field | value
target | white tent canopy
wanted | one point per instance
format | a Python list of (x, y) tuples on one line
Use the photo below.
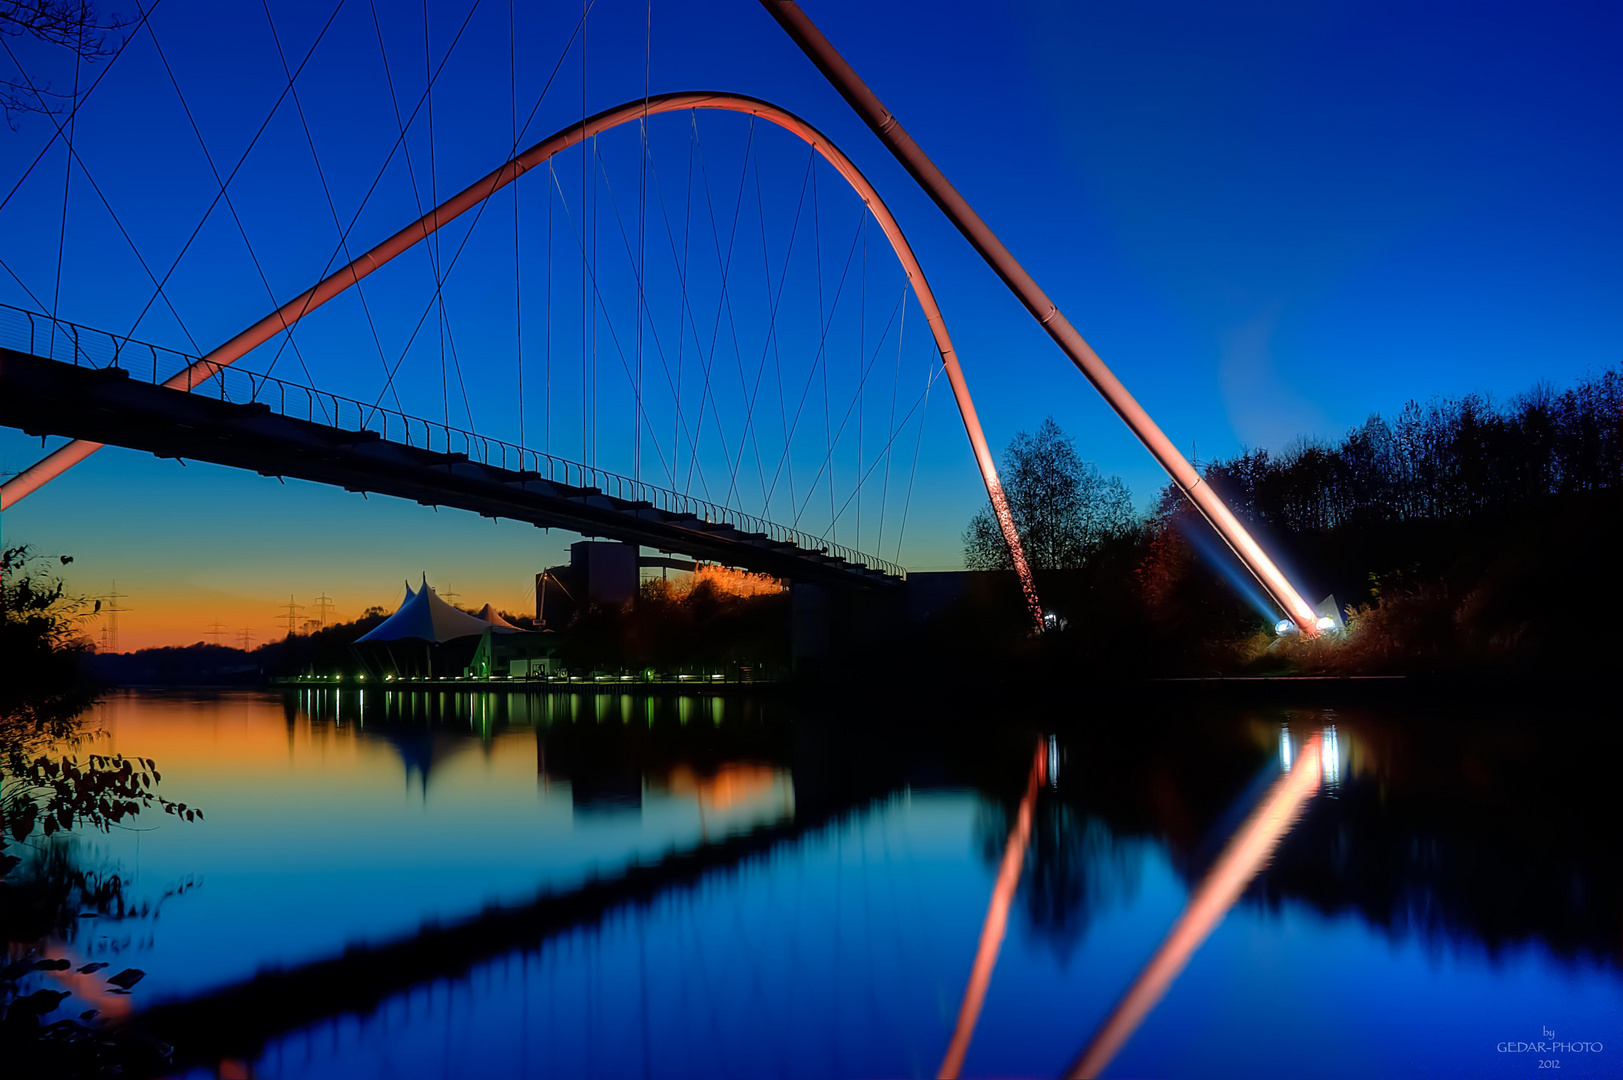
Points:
[(423, 616), (498, 625)]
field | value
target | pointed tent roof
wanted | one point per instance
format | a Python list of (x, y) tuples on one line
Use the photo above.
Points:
[(498, 624), (425, 617)]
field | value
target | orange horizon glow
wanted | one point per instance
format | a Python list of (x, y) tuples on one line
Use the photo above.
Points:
[(1234, 870), (166, 616)]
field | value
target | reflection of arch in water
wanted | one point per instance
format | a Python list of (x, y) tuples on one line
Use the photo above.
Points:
[(1234, 870), (284, 317)]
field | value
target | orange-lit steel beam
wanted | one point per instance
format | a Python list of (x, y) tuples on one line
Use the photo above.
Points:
[(1240, 861), (1003, 263), (284, 317), (997, 920)]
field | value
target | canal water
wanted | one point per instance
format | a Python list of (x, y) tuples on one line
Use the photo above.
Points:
[(606, 885)]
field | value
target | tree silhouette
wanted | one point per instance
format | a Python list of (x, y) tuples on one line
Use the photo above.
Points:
[(1063, 509), (1449, 458), (72, 25)]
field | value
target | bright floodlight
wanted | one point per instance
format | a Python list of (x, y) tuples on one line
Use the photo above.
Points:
[(1325, 623), (1284, 626)]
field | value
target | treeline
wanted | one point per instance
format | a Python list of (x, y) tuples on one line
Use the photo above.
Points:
[(1450, 458), (202, 664)]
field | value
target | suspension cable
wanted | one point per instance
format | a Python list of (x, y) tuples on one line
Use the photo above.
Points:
[(73, 112), (479, 212), (326, 190), (862, 350), (895, 386), (117, 221), (232, 175), (724, 300), (642, 243), (546, 436), (817, 232), (913, 473), (839, 433), (518, 290), (820, 357), (242, 230), (608, 320), (638, 274), (372, 188), (434, 200), (22, 284), (685, 318), (67, 170), (585, 299), (884, 451), (772, 320)]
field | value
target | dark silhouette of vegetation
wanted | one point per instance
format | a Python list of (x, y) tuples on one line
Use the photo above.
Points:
[(325, 650), (1461, 538), (47, 792), (1451, 458), (75, 28), (709, 627), (1063, 509)]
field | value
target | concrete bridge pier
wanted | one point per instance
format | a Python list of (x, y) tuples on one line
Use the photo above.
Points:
[(831, 627), (810, 625)]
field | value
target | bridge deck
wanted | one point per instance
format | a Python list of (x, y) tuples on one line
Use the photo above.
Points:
[(105, 405)]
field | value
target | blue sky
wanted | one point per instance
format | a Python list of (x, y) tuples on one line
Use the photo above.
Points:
[(1270, 219)]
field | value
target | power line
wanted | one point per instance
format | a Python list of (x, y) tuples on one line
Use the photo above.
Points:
[(108, 604), (292, 615)]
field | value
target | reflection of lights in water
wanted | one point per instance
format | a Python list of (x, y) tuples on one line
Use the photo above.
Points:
[(1053, 761), (1285, 751), (1330, 757), (1245, 855), (732, 784)]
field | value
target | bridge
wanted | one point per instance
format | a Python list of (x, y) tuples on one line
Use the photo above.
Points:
[(398, 453), (276, 428)]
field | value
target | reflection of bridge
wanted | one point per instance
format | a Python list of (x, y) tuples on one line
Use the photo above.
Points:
[(237, 1021), (586, 505)]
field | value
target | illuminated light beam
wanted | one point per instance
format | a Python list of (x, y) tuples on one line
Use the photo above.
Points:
[(884, 124), (997, 920), (286, 316), (1239, 863)]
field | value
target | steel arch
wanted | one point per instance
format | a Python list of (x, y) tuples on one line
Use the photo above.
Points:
[(286, 316)]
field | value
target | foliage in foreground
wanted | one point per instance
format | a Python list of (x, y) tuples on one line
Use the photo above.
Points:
[(47, 793)]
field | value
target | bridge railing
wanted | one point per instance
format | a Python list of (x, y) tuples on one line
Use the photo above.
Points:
[(59, 339)]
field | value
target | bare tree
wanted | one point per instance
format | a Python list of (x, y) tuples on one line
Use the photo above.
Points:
[(1063, 509), (71, 25)]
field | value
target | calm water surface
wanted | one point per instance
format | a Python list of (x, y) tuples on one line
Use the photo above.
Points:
[(475, 885)]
